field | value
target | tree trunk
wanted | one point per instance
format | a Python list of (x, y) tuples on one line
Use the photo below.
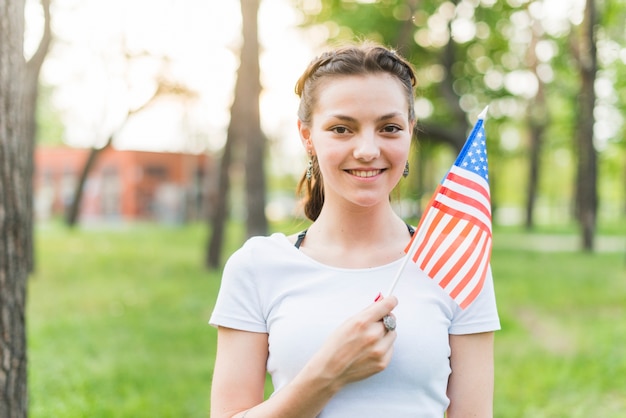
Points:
[(31, 93), (587, 171), (256, 222), (219, 210), (538, 120), (15, 213), (536, 134), (244, 134), (71, 216)]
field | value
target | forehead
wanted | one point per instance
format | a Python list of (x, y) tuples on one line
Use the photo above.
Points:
[(375, 92)]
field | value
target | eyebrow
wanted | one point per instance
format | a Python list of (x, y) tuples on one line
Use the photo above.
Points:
[(379, 119)]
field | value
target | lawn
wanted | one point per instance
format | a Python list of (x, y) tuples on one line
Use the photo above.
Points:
[(117, 325)]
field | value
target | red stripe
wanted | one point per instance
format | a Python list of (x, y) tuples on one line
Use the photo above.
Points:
[(470, 201), (458, 214), (440, 238), (470, 274), (470, 184), (479, 286), (419, 225), (462, 236), (431, 228), (460, 262)]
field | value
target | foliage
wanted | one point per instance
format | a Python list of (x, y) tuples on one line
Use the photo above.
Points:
[(118, 324), (492, 45)]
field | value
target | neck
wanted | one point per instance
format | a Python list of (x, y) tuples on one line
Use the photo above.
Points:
[(362, 226)]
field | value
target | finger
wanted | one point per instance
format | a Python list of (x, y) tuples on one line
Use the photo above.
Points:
[(384, 306)]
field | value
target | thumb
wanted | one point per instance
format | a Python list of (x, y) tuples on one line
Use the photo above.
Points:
[(382, 306)]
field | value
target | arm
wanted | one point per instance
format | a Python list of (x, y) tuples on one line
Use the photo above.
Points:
[(357, 349), (470, 387), (239, 373)]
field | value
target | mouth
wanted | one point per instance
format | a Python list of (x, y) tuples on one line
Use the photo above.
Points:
[(364, 173)]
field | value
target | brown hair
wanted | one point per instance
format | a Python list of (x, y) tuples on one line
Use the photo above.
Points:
[(362, 59)]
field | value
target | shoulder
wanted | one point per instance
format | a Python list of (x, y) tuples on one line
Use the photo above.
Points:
[(481, 315), (260, 249)]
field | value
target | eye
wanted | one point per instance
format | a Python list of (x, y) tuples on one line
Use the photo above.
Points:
[(340, 130), (391, 129)]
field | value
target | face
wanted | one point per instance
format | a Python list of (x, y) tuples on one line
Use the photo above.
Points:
[(361, 134)]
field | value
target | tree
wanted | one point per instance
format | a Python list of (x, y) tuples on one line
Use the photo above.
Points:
[(164, 87), (31, 94), (244, 136), (16, 163), (14, 213), (538, 116), (587, 169), (256, 222)]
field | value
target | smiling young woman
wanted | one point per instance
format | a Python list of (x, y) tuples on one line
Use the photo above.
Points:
[(305, 307)]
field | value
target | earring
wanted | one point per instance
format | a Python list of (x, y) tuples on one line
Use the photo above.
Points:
[(405, 173), (309, 169)]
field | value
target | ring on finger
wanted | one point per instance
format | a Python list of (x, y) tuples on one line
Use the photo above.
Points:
[(389, 321)]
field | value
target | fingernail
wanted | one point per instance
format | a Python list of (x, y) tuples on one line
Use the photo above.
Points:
[(378, 297)]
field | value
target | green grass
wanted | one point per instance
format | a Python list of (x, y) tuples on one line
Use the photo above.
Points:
[(117, 325)]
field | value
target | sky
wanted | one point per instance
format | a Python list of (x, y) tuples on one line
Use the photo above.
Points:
[(95, 85)]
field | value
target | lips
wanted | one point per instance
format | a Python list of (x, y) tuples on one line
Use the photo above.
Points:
[(364, 173)]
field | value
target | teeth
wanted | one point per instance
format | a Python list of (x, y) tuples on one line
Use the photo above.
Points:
[(363, 173)]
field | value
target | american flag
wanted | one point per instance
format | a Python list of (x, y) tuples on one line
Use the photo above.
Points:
[(452, 244)]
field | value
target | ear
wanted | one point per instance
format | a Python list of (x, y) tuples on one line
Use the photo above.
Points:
[(305, 136)]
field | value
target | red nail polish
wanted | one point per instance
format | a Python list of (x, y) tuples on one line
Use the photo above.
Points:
[(378, 297)]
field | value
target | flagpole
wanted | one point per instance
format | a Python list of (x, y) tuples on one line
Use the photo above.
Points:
[(481, 116), (408, 255)]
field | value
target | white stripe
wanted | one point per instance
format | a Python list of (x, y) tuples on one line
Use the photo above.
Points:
[(469, 192), (464, 208), (420, 234), (475, 282), (456, 256), (445, 244), (470, 175), (433, 237), (467, 266)]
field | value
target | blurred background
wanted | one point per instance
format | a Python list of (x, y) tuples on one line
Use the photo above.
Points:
[(160, 134)]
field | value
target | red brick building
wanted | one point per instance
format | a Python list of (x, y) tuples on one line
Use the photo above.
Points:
[(122, 185)]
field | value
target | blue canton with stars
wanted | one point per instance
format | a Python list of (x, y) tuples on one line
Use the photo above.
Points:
[(473, 156)]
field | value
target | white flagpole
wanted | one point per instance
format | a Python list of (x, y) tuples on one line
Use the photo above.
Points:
[(407, 257), (482, 115)]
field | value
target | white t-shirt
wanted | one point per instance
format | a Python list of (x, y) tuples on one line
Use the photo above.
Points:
[(270, 286)]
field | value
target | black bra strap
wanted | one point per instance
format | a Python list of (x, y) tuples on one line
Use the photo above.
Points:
[(302, 234)]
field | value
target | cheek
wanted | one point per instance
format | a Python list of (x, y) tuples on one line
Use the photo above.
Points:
[(400, 152)]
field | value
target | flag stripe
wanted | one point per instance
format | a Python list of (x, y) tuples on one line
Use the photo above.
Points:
[(451, 248), (470, 274), (482, 224), (476, 187), (431, 226), (466, 200), (464, 254), (476, 290), (438, 240), (469, 180)]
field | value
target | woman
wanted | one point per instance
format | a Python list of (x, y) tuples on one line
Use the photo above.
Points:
[(308, 309)]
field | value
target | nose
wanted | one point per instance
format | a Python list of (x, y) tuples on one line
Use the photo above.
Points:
[(366, 148)]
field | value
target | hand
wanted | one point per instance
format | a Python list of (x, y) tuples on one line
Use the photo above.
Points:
[(360, 347)]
